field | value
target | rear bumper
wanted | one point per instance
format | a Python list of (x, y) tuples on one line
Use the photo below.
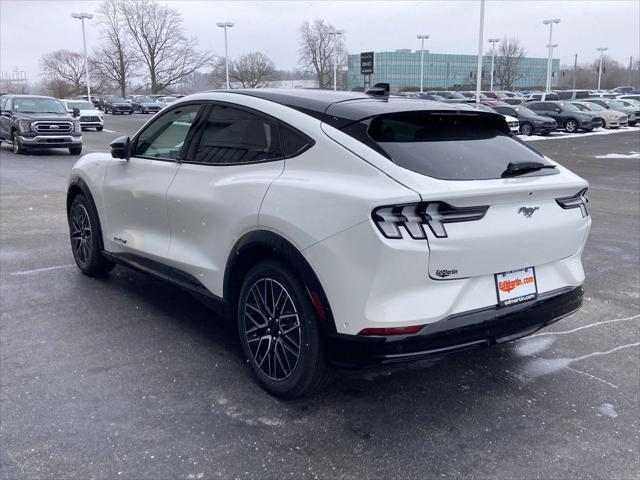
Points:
[(52, 141), (478, 328)]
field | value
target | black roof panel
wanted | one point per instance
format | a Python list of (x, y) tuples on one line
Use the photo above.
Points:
[(341, 108)]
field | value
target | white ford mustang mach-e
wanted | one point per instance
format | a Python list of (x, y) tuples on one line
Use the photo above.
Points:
[(338, 228)]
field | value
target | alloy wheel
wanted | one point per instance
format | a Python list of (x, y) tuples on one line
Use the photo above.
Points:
[(81, 233), (571, 126), (272, 328), (15, 147)]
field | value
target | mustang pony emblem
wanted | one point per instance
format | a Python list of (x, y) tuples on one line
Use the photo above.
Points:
[(528, 211)]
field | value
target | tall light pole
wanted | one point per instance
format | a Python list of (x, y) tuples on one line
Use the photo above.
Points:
[(551, 47), (550, 23), (493, 42), (226, 25), (601, 50), (82, 17), (334, 34), (480, 36), (423, 38)]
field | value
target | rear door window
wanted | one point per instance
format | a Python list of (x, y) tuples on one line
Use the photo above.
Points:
[(451, 146), (235, 136), (565, 95)]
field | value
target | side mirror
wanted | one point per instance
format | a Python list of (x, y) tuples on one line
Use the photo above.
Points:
[(120, 148), (557, 110), (76, 112)]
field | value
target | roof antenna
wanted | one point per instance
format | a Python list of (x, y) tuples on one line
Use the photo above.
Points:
[(379, 90)]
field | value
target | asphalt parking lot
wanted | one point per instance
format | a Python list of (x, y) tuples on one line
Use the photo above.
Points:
[(128, 378)]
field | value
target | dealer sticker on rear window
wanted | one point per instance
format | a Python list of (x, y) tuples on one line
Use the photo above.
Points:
[(516, 286)]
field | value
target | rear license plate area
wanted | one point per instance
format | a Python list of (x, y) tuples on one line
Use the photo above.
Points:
[(516, 286)]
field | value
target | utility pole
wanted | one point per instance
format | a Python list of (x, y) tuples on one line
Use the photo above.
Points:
[(629, 72), (82, 17), (493, 42), (335, 34), (423, 38), (575, 69), (601, 50), (226, 25), (550, 46), (480, 34)]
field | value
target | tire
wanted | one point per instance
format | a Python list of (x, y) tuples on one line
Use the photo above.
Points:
[(526, 129), (587, 130), (99, 129), (17, 147), (571, 126), (298, 367), (632, 124), (131, 112), (75, 150), (85, 235)]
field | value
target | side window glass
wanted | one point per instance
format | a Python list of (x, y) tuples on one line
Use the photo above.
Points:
[(3, 103), (564, 95), (232, 135), (165, 137), (292, 141)]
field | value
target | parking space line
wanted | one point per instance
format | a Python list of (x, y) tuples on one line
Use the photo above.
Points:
[(604, 322), (45, 269)]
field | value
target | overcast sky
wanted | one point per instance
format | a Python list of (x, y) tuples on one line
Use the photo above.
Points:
[(31, 28)]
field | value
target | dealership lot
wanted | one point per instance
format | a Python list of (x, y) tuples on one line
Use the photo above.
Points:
[(128, 378)]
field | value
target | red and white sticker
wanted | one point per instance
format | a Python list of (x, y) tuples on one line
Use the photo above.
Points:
[(516, 286)]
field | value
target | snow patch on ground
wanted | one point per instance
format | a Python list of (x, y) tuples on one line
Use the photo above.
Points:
[(608, 410), (620, 155), (531, 347), (599, 131)]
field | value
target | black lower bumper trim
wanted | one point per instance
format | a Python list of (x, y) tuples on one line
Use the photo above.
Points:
[(478, 328)]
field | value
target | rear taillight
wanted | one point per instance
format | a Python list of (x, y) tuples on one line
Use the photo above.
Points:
[(412, 217), (579, 200)]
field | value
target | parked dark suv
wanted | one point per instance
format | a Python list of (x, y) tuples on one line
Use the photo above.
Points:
[(113, 104), (34, 121), (567, 115), (530, 121)]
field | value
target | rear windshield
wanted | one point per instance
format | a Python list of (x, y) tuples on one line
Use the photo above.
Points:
[(452, 146)]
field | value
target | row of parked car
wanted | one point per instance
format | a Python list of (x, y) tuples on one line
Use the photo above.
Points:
[(115, 104), (544, 112), (91, 113)]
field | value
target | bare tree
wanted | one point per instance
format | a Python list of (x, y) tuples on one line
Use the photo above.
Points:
[(250, 70), (157, 35), (319, 49), (115, 61), (64, 65), (508, 62)]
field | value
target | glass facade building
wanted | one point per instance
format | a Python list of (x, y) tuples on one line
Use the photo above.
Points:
[(401, 69)]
